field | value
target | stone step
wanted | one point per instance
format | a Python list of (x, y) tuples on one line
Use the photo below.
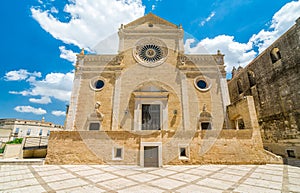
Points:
[(22, 161)]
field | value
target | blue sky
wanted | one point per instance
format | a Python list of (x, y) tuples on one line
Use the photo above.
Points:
[(40, 39)]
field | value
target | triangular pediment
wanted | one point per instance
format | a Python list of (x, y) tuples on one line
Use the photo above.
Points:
[(150, 19)]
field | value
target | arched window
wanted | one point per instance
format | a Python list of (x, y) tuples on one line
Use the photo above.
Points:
[(275, 55), (239, 85), (251, 78)]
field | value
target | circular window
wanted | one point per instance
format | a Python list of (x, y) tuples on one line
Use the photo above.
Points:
[(150, 52), (97, 84), (202, 83)]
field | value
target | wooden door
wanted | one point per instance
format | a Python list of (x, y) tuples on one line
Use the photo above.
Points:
[(151, 156)]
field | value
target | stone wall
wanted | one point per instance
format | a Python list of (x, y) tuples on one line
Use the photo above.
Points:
[(69, 148), (204, 147), (12, 151), (275, 89)]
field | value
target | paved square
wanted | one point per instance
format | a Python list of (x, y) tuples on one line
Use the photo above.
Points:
[(104, 178)]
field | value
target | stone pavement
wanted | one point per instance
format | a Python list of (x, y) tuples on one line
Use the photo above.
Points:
[(103, 178)]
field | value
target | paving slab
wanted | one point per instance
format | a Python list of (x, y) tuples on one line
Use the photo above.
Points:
[(105, 178)]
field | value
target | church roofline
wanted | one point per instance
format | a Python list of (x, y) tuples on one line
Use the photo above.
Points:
[(150, 17)]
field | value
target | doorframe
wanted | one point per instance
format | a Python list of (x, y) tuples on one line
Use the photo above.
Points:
[(156, 144), (160, 98)]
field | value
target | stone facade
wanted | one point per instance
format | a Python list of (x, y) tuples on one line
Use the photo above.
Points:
[(151, 105), (273, 79)]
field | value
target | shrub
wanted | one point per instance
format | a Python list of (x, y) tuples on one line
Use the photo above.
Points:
[(15, 141)]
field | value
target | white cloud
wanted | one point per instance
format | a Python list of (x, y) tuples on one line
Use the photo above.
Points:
[(153, 7), (211, 15), (23, 93), (17, 75), (42, 100), (281, 21), (67, 54), (237, 53), (53, 10), (54, 85), (29, 109), (91, 21), (58, 113)]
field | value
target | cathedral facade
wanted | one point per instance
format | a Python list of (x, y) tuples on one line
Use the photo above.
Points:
[(151, 104)]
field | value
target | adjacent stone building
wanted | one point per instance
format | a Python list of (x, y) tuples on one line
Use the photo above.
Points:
[(273, 79), (19, 128), (151, 104)]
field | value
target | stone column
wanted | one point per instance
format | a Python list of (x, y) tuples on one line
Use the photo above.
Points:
[(116, 102), (185, 102)]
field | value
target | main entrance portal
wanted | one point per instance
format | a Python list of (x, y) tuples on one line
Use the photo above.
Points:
[(151, 156)]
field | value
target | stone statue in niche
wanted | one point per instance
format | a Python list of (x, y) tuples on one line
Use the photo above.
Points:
[(98, 112), (204, 108), (205, 119)]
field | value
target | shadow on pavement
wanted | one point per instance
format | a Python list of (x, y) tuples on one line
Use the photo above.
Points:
[(292, 162)]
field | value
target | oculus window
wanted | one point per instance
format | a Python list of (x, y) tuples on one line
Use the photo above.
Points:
[(202, 83), (97, 84), (150, 52)]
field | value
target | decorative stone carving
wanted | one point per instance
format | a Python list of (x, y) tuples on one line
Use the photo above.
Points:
[(150, 52), (181, 59), (118, 60), (98, 112)]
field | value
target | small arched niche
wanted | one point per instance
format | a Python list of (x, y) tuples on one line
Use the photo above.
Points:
[(205, 120), (251, 78), (275, 55), (240, 86)]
